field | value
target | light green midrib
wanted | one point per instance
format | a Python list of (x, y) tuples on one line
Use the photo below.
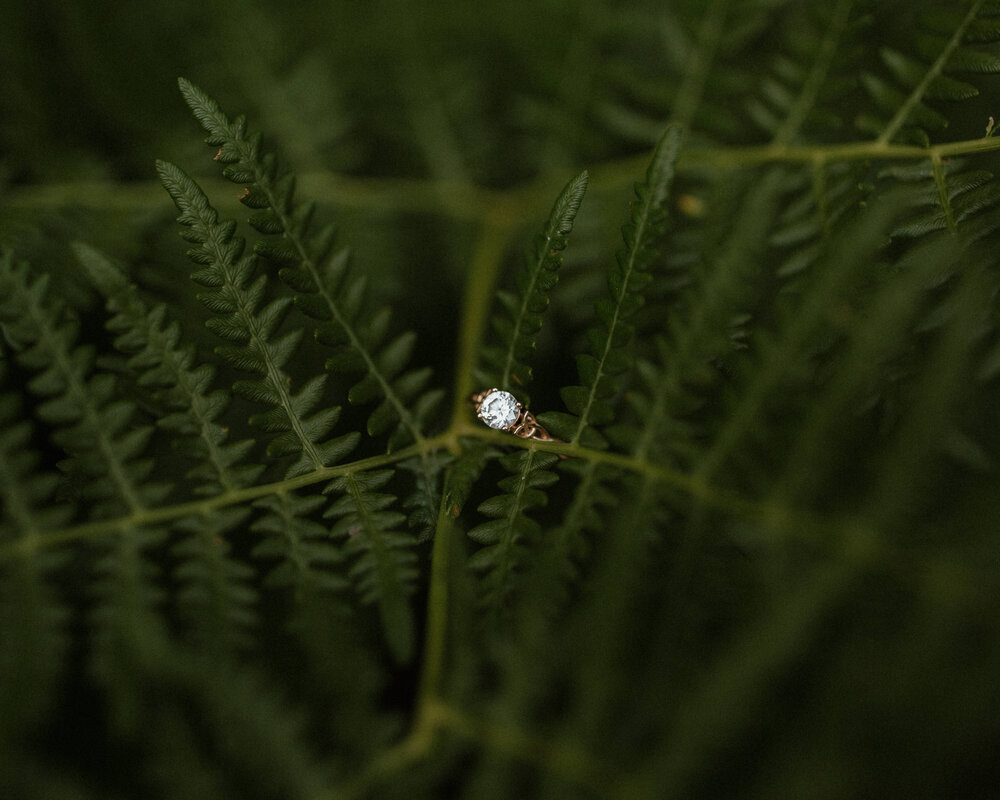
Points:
[(471, 202), (726, 500)]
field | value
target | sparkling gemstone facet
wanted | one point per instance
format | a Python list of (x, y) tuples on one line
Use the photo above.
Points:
[(499, 410)]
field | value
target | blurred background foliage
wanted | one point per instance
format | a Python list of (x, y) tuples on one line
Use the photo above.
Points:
[(763, 666)]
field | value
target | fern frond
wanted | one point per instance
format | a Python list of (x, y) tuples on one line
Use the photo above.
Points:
[(521, 317), (32, 615), (590, 404), (947, 46), (827, 196), (127, 624), (701, 335), (505, 538), (808, 79), (305, 552), (152, 341), (215, 594), (785, 360), (565, 548), (946, 196), (424, 501), (865, 369), (383, 562), (251, 325), (91, 425), (325, 289)]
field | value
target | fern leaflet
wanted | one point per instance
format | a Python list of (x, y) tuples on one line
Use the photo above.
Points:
[(320, 276), (538, 276), (590, 404), (250, 326), (383, 567)]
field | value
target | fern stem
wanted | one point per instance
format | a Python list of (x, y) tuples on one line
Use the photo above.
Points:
[(770, 514), (154, 516), (903, 114), (474, 203), (555, 756), (437, 607)]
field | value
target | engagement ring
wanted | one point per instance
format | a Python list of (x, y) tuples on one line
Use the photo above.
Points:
[(500, 410)]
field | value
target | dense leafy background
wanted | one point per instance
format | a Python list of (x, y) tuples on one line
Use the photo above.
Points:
[(769, 566)]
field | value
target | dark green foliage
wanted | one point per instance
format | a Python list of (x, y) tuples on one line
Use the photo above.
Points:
[(609, 357), (507, 536), (152, 341), (93, 427), (518, 326), (319, 274), (306, 554), (248, 550), (250, 323), (383, 565), (32, 618), (947, 44)]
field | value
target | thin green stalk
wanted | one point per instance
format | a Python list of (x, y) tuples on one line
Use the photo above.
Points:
[(153, 516)]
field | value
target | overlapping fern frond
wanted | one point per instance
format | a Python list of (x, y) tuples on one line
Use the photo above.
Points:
[(242, 554), (326, 291)]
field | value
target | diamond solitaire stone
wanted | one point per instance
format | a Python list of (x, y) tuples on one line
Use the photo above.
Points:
[(499, 410)]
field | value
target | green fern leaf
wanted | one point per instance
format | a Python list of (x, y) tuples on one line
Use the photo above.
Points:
[(216, 597), (93, 427), (327, 292), (922, 76), (33, 617), (520, 324), (382, 565), (507, 537), (307, 558), (252, 325), (590, 404), (152, 341)]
